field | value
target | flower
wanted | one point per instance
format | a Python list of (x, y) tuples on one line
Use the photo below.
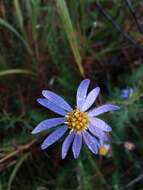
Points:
[(129, 146), (80, 123), (104, 149), (126, 93)]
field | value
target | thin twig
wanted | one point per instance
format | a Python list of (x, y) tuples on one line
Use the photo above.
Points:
[(118, 28), (137, 179), (132, 11), (16, 152)]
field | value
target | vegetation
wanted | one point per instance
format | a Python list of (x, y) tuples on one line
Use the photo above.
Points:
[(54, 44)]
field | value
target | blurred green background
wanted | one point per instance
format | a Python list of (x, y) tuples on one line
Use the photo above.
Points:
[(54, 44)]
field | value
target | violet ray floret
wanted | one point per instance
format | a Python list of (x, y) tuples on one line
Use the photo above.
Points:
[(77, 144), (90, 99), (57, 100), (82, 92), (97, 132), (91, 142), (66, 144), (51, 106), (47, 124)]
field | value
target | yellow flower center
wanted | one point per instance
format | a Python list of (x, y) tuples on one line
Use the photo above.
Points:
[(103, 151), (77, 120)]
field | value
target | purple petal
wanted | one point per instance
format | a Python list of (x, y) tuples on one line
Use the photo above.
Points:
[(90, 99), (56, 99), (98, 133), (103, 109), (100, 124), (44, 102), (91, 142), (81, 92), (66, 144), (77, 143), (53, 137), (47, 124)]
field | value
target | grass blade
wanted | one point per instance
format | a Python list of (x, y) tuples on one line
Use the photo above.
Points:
[(15, 170), (14, 31), (19, 14), (69, 30), (15, 71)]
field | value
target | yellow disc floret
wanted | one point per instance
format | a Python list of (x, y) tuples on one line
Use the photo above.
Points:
[(103, 150), (77, 120)]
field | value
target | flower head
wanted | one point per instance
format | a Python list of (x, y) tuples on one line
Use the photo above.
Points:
[(104, 148), (81, 124), (126, 93)]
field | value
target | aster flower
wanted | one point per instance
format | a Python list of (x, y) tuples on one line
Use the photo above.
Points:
[(104, 148), (80, 124), (126, 93)]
